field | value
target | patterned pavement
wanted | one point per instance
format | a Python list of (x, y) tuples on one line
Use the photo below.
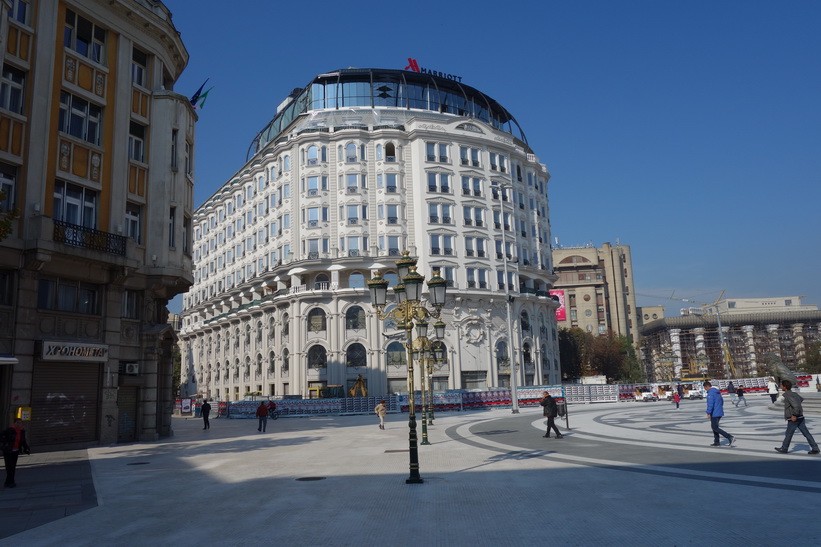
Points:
[(638, 473)]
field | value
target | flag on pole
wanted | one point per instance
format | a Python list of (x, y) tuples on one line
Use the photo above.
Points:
[(196, 95)]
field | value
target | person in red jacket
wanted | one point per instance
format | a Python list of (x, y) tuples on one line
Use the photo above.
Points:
[(13, 441), (262, 414)]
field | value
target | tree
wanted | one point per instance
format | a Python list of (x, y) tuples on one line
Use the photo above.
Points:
[(574, 352), (175, 381), (606, 356), (631, 372), (7, 217)]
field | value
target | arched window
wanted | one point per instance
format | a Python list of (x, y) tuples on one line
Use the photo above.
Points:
[(321, 282), (247, 370), (389, 324), (350, 152), (397, 355), (286, 361), (317, 320), (227, 370), (526, 356), (544, 357), (247, 335), (259, 332), (356, 281), (272, 359), (525, 322), (286, 163), (379, 151), (356, 356), (286, 327), (313, 155), (392, 278), (502, 358), (236, 339), (355, 318), (259, 363), (271, 328), (542, 325), (217, 343), (236, 369), (390, 152), (317, 357)]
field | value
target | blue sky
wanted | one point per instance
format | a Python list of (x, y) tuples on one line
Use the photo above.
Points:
[(687, 130)]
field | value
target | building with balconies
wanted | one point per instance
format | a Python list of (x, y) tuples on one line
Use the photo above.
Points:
[(96, 153), (596, 288), (356, 167)]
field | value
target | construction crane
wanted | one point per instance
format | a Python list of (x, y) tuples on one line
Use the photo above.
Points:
[(729, 366)]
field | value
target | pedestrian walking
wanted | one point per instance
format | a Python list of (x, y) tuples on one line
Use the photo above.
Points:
[(551, 410), (680, 391), (676, 398), (272, 410), (380, 411), (772, 389), (262, 414), (715, 410), (731, 392), (13, 441), (205, 411), (794, 414), (741, 399)]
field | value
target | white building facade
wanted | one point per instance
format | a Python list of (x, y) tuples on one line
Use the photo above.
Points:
[(356, 167)]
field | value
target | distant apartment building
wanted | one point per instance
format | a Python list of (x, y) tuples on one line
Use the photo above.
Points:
[(96, 153), (596, 287), (755, 331)]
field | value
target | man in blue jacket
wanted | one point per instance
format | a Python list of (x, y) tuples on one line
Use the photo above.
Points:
[(715, 410)]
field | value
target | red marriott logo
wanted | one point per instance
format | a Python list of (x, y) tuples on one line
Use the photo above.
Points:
[(414, 67)]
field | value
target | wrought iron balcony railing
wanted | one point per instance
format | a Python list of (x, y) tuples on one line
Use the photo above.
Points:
[(80, 236)]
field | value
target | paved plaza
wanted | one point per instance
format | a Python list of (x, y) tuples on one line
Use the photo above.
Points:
[(625, 473)]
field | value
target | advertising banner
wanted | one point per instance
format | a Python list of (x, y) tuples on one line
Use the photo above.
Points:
[(561, 313)]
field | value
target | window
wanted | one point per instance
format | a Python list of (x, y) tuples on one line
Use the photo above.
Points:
[(437, 151), (189, 160), (356, 356), (136, 142), (139, 63), (19, 11), (7, 287), (174, 133), (317, 358), (133, 225), (172, 225), (74, 204), (69, 296), (355, 318), (12, 89), (130, 305), (80, 118), (8, 182), (84, 37), (439, 182), (317, 320)]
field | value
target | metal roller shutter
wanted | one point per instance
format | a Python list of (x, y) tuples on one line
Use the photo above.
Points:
[(65, 403)]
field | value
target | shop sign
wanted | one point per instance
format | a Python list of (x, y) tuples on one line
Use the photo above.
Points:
[(74, 351)]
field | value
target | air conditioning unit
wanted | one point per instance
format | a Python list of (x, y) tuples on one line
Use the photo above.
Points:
[(132, 368)]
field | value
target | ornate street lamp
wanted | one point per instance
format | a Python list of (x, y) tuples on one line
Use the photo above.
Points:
[(409, 310)]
